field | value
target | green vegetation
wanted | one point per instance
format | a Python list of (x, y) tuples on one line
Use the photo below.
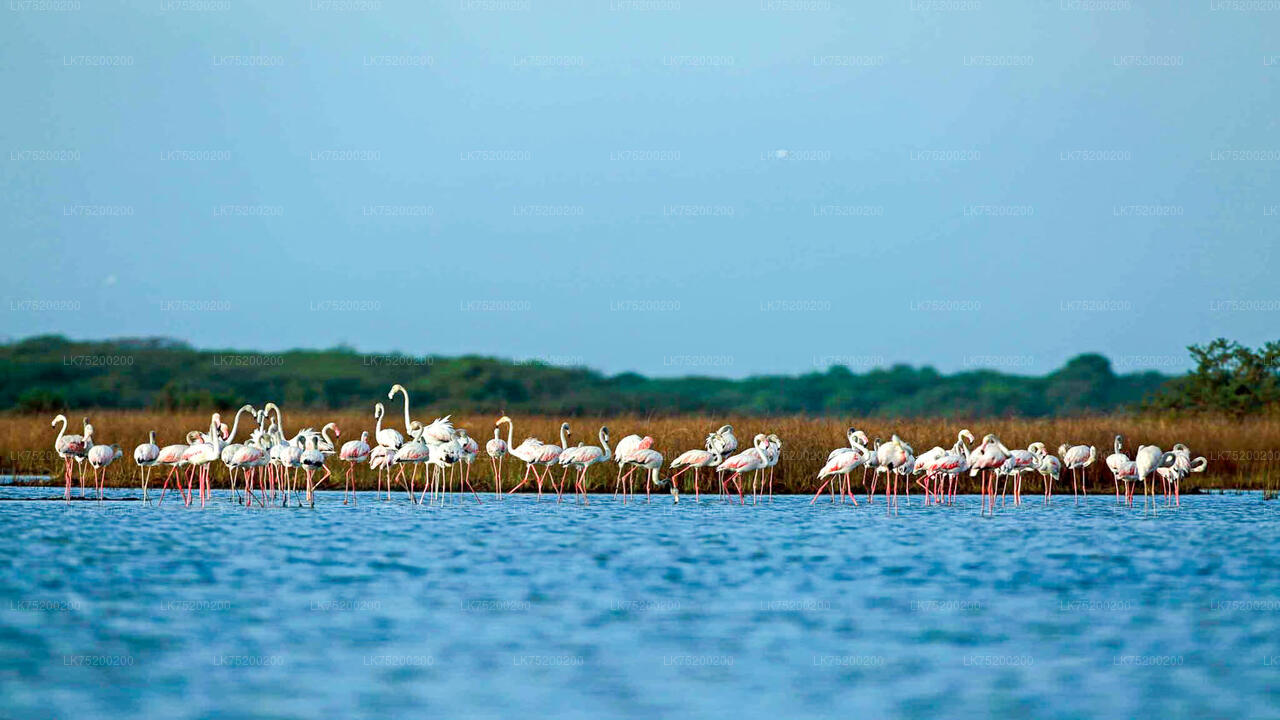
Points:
[(52, 373), (1229, 378)]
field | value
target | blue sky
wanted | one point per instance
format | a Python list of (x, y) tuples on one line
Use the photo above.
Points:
[(669, 187)]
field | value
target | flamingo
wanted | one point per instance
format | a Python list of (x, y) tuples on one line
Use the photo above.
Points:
[(774, 452), (382, 458), (171, 455), (229, 451), (722, 440), (625, 447), (391, 395), (695, 460), (646, 458), (388, 438), (469, 450), (843, 461), (984, 459), (948, 466), (1050, 468), (72, 447), (747, 461), (1077, 458), (1148, 459), (529, 452), (312, 458), (1184, 466), (496, 449), (1018, 464), (200, 455), (549, 455), (414, 452), (145, 456), (439, 432), (891, 458), (1115, 462), (583, 457), (249, 458), (101, 456), (353, 451)]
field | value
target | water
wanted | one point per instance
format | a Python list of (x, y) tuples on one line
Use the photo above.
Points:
[(520, 609)]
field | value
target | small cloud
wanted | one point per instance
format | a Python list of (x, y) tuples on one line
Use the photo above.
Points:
[(109, 280)]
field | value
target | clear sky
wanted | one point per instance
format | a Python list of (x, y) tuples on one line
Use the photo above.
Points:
[(666, 186)]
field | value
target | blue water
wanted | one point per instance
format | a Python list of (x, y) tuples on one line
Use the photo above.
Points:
[(523, 608)]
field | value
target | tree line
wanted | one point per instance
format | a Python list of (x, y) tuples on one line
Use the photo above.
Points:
[(49, 373)]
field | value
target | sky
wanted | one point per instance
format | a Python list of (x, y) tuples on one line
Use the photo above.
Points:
[(662, 186)]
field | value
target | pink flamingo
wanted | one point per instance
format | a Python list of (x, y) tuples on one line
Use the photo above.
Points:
[(695, 460), (650, 460), (249, 459), (748, 461), (531, 453), (841, 462), (72, 447), (171, 455), (985, 459), (353, 451), (624, 448)]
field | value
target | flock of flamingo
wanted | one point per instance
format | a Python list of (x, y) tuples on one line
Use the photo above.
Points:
[(269, 463)]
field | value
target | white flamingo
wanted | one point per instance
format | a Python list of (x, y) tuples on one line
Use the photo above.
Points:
[(1077, 458), (496, 449), (100, 457), (583, 457), (146, 456)]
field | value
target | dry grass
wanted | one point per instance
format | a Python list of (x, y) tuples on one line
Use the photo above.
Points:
[(1242, 454)]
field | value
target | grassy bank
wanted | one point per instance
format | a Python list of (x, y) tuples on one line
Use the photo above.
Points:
[(1242, 453)]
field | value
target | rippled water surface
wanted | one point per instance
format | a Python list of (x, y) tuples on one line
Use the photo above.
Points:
[(520, 607)]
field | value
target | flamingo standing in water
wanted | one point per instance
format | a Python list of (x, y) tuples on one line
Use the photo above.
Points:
[(624, 448), (1147, 460), (651, 461), (583, 457), (415, 452), (312, 459), (1077, 458), (249, 459), (353, 451), (841, 462), (145, 456), (532, 452), (1184, 466), (1116, 462), (72, 447), (171, 455), (695, 460), (1050, 468), (469, 449), (891, 459), (101, 456), (748, 461), (984, 460), (390, 440), (496, 449)]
